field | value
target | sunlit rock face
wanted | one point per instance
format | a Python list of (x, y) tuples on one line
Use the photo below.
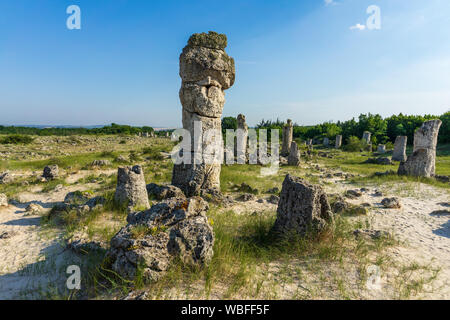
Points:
[(206, 72)]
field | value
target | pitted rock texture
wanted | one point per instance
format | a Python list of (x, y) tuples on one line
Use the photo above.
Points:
[(206, 71), (367, 136), (153, 238), (164, 192), (6, 177), (294, 155), (288, 131), (302, 207), (51, 172), (422, 163), (241, 141), (399, 153), (131, 189), (3, 200)]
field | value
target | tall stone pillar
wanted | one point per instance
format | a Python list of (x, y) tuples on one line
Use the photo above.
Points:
[(206, 72), (338, 141), (399, 153), (288, 132), (326, 142), (422, 163), (241, 141), (366, 137)]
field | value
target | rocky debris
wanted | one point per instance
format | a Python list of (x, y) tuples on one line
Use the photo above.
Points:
[(3, 200), (95, 203), (391, 203), (100, 163), (131, 189), (385, 173), (379, 160), (206, 72), (246, 197), (244, 187), (6, 177), (164, 192), (353, 194), (241, 141), (294, 155), (137, 295), (33, 208), (381, 149), (273, 199), (51, 172), (338, 141), (399, 153), (121, 159), (287, 136), (80, 244), (378, 193), (58, 188), (274, 190), (422, 163), (152, 238), (77, 197), (340, 205), (62, 208), (358, 210), (283, 161), (6, 235), (370, 234), (440, 178), (302, 206)]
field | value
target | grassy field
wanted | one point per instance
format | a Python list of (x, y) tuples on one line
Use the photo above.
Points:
[(248, 262)]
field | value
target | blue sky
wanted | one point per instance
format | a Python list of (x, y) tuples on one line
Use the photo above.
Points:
[(294, 59)]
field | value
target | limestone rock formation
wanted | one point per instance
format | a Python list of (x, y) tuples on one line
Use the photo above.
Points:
[(391, 203), (100, 163), (3, 200), (206, 71), (400, 148), (366, 136), (241, 141), (338, 141), (294, 155), (422, 163), (326, 142), (381, 149), (6, 177), (152, 238), (51, 172), (302, 207), (164, 192), (288, 131), (131, 189)]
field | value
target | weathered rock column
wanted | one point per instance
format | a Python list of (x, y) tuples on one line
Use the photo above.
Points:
[(366, 137), (302, 206), (381, 148), (338, 141), (206, 71), (400, 148), (131, 189), (288, 132), (422, 163), (326, 142), (294, 155), (241, 141)]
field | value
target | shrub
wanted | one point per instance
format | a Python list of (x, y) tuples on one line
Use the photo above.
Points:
[(355, 144), (16, 139)]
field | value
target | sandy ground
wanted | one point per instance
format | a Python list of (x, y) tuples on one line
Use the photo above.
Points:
[(33, 261)]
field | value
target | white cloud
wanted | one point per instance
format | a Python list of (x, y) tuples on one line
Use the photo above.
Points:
[(358, 26), (330, 2)]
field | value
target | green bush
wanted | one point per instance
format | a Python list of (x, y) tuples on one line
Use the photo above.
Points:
[(355, 144), (16, 139)]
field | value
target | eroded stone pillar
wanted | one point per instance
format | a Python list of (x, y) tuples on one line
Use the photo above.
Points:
[(288, 131), (326, 142), (400, 148), (381, 148), (241, 141), (294, 155), (206, 72), (338, 141), (422, 163)]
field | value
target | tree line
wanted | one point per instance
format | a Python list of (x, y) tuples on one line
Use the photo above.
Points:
[(384, 130)]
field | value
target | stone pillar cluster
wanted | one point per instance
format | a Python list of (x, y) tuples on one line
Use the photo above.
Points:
[(206, 72), (422, 163)]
